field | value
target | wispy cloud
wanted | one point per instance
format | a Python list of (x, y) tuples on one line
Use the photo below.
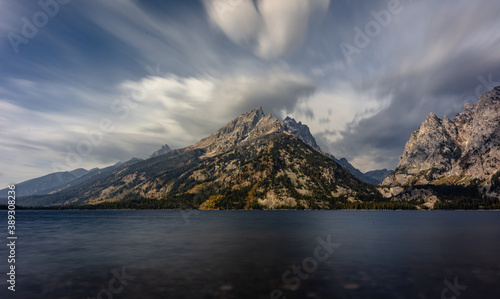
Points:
[(144, 113), (191, 108), (269, 28)]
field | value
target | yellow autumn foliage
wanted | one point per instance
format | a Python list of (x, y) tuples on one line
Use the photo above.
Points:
[(212, 203)]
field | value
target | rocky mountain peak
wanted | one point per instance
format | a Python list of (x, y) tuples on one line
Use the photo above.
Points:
[(247, 120), (453, 151), (432, 120), (432, 116), (301, 131), (245, 127), (292, 122), (343, 160), (162, 151), (491, 97)]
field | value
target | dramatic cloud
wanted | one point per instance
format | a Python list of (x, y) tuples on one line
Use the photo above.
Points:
[(175, 71), (188, 109), (270, 28), (409, 70), (143, 114)]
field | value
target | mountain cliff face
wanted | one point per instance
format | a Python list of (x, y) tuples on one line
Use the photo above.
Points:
[(301, 131), (252, 162), (246, 127), (461, 151)]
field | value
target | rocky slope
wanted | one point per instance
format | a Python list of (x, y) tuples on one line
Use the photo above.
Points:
[(252, 162), (247, 126), (276, 170), (461, 151)]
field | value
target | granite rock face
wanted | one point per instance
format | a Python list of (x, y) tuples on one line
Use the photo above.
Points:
[(301, 131), (459, 151), (245, 127)]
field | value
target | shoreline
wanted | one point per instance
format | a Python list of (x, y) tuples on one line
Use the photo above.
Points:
[(84, 209)]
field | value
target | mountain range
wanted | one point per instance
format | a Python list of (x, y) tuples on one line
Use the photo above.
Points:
[(252, 162), (257, 161), (55, 182)]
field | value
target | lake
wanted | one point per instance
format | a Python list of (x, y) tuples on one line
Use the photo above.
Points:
[(256, 254)]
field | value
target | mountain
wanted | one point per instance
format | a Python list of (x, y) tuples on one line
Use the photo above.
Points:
[(462, 151), (247, 126), (303, 133), (252, 162), (43, 184), (162, 151)]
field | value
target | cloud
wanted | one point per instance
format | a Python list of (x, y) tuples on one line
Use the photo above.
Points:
[(270, 28), (188, 109), (432, 65), (94, 54), (145, 114), (449, 50), (340, 107)]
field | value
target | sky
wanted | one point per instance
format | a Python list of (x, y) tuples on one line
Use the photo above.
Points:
[(90, 83)]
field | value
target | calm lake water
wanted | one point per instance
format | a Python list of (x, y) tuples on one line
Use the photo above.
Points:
[(245, 254)]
